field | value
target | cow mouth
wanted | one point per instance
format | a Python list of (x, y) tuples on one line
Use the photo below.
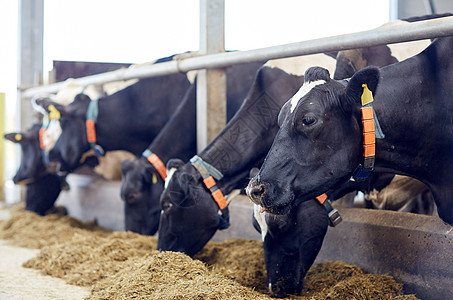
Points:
[(24, 182), (276, 210)]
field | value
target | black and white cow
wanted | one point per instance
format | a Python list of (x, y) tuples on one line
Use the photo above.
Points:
[(291, 243), (143, 178), (42, 188), (127, 120), (320, 143), (185, 200), (190, 215), (240, 146)]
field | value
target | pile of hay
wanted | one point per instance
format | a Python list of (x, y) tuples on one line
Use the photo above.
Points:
[(29, 230), (125, 265)]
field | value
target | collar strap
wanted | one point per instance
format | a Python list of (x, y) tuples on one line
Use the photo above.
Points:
[(334, 215), (156, 162), (370, 128), (41, 132), (44, 125), (209, 173), (92, 117)]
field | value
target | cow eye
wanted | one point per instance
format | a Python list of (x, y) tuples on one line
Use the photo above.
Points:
[(309, 119)]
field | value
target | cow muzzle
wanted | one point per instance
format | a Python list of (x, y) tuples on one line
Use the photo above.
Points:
[(256, 190), (265, 195)]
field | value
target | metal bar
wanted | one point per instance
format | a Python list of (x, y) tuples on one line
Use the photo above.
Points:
[(30, 54), (211, 83), (2, 146), (389, 34)]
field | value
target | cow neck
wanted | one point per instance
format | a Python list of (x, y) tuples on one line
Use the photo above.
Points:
[(178, 137), (42, 131), (131, 118), (210, 174), (156, 162), (248, 136), (90, 124), (370, 130)]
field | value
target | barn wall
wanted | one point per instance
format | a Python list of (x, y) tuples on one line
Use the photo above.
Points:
[(412, 8)]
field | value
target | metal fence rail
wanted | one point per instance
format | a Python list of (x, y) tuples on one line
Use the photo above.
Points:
[(388, 34)]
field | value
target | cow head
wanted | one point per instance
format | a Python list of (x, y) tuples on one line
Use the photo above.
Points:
[(141, 187), (319, 143), (189, 215), (31, 164), (291, 243), (72, 143)]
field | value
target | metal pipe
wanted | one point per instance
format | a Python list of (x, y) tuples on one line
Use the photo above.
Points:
[(387, 34), (2, 146)]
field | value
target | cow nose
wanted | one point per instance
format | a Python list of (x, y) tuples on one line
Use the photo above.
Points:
[(131, 197), (277, 291), (255, 190)]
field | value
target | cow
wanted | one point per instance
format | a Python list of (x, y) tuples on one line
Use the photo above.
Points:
[(143, 178), (320, 144), (229, 152), (42, 187), (291, 243), (126, 120), (190, 215), (189, 192)]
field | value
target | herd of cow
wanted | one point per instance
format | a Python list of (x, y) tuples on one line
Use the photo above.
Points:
[(289, 139)]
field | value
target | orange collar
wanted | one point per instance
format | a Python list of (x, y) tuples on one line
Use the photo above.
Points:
[(205, 171), (370, 129), (208, 172), (156, 162), (92, 116)]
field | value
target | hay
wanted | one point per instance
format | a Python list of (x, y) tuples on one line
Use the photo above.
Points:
[(86, 259), (29, 230), (123, 265), (339, 280), (237, 259), (170, 275)]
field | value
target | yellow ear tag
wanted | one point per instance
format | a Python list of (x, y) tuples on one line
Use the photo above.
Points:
[(54, 114), (367, 95), (154, 178), (18, 137)]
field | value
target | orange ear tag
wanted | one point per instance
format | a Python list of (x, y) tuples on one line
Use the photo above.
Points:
[(18, 137)]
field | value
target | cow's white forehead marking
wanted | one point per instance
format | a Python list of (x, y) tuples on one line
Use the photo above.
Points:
[(304, 89), (261, 219), (169, 176)]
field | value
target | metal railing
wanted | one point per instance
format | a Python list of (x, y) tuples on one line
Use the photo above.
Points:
[(391, 33)]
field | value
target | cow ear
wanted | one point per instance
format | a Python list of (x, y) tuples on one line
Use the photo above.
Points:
[(15, 137), (150, 173), (81, 98), (38, 107), (175, 163), (54, 109), (284, 111), (354, 89)]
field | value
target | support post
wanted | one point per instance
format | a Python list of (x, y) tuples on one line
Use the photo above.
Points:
[(211, 83), (30, 65), (2, 146)]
